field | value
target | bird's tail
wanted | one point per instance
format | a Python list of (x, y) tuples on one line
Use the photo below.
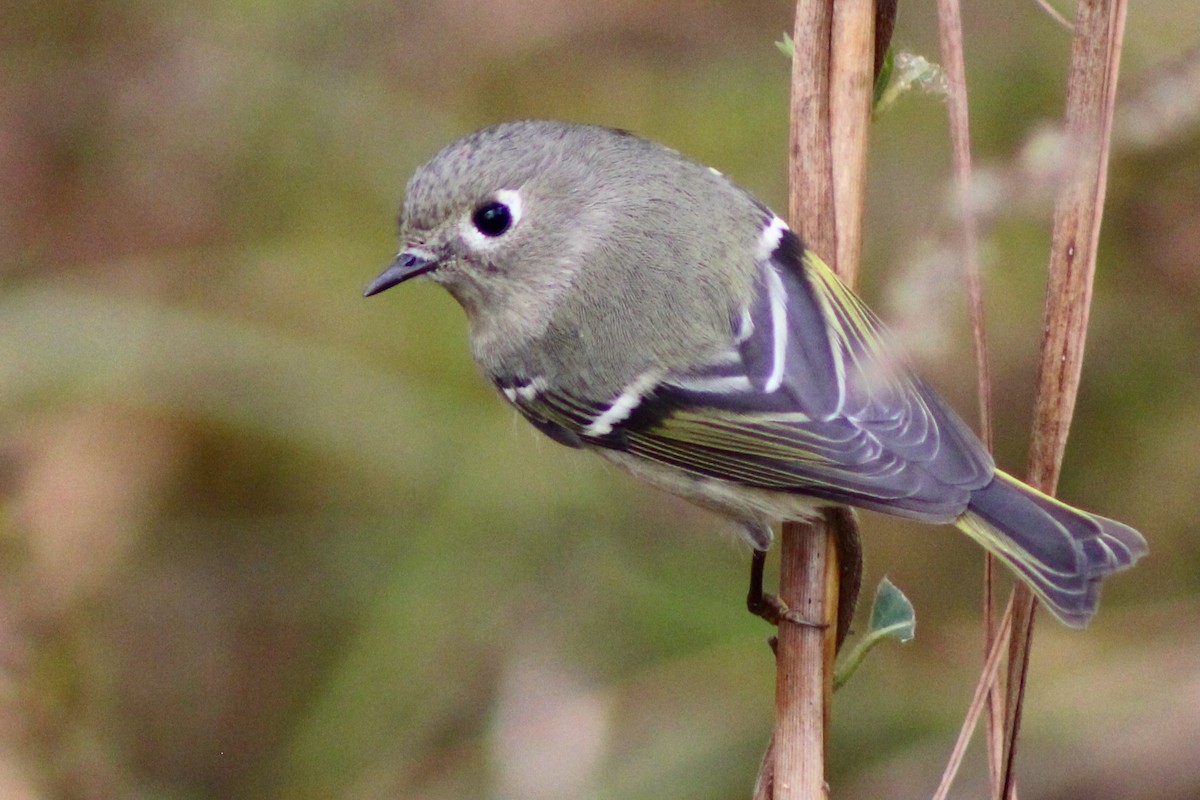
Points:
[(1060, 551)]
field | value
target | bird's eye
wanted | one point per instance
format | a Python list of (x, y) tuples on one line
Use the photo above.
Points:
[(492, 218)]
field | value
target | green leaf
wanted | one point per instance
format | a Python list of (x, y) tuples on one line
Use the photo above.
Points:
[(909, 72), (892, 616), (786, 46), (884, 78), (892, 613)]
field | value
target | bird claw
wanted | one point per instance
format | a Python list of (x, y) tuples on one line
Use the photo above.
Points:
[(768, 606), (774, 611)]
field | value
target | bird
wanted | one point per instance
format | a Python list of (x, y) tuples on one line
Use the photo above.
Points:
[(635, 303)]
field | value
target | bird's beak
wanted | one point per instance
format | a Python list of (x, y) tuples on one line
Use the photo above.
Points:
[(409, 264)]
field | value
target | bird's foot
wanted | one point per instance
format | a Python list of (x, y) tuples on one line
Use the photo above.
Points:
[(769, 606)]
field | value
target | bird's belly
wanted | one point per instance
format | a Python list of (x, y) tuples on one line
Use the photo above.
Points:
[(742, 503)]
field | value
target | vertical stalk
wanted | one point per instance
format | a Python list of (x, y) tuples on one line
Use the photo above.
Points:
[(954, 68), (830, 111), (1091, 93), (808, 560)]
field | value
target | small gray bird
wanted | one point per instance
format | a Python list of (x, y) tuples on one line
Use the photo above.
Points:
[(632, 302)]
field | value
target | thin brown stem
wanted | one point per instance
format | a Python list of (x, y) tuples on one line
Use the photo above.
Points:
[(953, 65), (1091, 93), (954, 68), (983, 689)]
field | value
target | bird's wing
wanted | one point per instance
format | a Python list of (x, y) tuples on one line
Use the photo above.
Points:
[(811, 397)]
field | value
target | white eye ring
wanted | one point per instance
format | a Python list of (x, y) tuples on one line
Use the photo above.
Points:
[(477, 239), (512, 199)]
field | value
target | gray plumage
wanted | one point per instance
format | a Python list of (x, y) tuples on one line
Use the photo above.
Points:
[(628, 300)]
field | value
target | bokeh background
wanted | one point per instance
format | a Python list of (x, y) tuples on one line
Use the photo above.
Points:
[(262, 538)]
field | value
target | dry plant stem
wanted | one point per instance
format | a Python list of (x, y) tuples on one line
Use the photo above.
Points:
[(1020, 641), (830, 108), (983, 689), (1054, 14), (851, 81), (810, 177), (954, 68), (995, 696), (1091, 94), (804, 665), (808, 562), (950, 30), (809, 568)]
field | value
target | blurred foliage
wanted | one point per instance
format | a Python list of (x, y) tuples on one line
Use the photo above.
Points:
[(263, 539)]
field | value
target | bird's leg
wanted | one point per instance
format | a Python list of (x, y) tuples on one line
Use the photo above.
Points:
[(769, 606)]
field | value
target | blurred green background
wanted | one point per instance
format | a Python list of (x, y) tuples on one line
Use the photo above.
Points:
[(265, 539)]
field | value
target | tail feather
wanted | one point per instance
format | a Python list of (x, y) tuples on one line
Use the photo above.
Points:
[(1060, 551)]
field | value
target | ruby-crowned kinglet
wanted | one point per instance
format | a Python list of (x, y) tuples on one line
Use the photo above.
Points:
[(632, 302)]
